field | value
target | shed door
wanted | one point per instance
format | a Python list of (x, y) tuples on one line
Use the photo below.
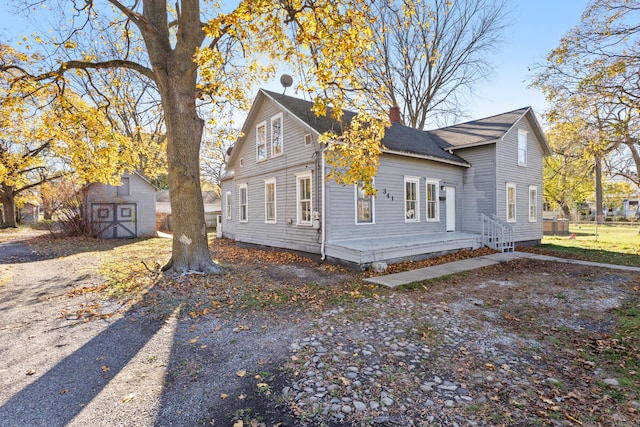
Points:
[(114, 220), (450, 207)]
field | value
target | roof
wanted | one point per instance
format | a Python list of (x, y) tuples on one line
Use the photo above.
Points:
[(487, 131), (398, 139)]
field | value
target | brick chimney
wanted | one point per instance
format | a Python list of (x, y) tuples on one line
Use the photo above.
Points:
[(394, 115)]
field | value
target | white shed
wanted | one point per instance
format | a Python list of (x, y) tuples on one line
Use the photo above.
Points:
[(124, 211)]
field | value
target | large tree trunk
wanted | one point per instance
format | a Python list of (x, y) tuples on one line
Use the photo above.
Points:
[(7, 198)]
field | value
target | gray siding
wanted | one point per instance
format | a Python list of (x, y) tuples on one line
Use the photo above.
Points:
[(141, 193), (296, 158), (508, 171), (479, 185), (389, 208)]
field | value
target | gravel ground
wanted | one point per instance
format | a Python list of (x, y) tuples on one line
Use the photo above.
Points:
[(517, 344)]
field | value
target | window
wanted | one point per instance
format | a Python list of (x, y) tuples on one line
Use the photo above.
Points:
[(511, 202), (533, 203), (227, 204), (270, 200), (411, 199), (522, 147), (364, 206), (261, 141), (123, 189), (243, 204), (276, 135), (433, 200), (307, 139), (303, 198)]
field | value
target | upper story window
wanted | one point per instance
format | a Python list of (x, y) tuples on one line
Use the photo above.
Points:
[(123, 189), (303, 198), (411, 199), (270, 200), (243, 203), (227, 204), (511, 202), (433, 200), (276, 135), (261, 141), (307, 139), (523, 135), (364, 206), (533, 203)]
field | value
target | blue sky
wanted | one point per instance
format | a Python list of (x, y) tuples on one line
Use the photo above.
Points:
[(537, 28)]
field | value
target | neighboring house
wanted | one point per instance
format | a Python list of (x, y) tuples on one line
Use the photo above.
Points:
[(210, 199), (30, 213), (124, 211), (455, 188)]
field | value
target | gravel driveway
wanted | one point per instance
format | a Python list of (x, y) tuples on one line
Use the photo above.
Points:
[(516, 344)]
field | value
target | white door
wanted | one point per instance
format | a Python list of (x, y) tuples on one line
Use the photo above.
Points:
[(451, 208)]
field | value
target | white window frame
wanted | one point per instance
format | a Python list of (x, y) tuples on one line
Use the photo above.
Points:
[(435, 202), (267, 183), (358, 191), (510, 218), (523, 143), (533, 203), (243, 188), (228, 207), (299, 178), (273, 135), (416, 209), (261, 141)]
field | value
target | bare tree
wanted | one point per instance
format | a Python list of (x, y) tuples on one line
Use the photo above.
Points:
[(430, 54)]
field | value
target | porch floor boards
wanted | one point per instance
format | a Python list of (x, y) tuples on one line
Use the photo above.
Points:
[(400, 247)]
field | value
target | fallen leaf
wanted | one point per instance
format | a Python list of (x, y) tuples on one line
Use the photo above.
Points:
[(64, 391), (241, 373), (128, 397), (490, 366), (239, 423), (572, 419), (194, 340), (242, 397), (31, 372), (224, 396), (105, 368)]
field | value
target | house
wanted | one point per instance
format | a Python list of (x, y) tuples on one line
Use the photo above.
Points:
[(464, 186), (212, 208), (124, 211)]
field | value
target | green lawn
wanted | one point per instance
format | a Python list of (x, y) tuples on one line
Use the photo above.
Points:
[(614, 244)]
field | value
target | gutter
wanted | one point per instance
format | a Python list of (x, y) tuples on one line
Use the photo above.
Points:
[(323, 256)]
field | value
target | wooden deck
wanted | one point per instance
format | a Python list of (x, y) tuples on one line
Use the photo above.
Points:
[(400, 248)]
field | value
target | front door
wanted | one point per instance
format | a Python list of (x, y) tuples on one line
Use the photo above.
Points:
[(450, 206)]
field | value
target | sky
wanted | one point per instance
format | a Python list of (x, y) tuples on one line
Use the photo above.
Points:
[(537, 27)]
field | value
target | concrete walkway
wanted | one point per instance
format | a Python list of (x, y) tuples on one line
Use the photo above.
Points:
[(435, 271)]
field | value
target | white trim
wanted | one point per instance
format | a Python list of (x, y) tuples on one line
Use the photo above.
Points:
[(258, 126), (356, 188), (533, 218), (228, 206), (523, 135), (416, 214), (436, 183), (300, 176), (246, 202), (515, 202), (274, 118), (267, 182)]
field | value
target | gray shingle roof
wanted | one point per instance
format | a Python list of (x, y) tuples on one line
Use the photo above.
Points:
[(397, 138), (478, 132)]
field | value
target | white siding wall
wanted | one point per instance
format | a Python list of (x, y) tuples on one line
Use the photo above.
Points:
[(508, 170), (296, 158), (479, 185), (389, 212), (141, 193)]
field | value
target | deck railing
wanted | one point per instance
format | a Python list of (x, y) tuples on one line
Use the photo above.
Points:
[(496, 233)]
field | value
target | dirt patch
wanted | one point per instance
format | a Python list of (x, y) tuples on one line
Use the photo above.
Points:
[(280, 340)]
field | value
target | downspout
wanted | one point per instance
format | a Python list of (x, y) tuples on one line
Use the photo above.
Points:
[(324, 211)]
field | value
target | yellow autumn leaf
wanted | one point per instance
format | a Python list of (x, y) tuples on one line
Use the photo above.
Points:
[(241, 373)]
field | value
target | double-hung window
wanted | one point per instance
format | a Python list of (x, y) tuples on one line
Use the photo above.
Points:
[(303, 198), (511, 202), (261, 141), (270, 200), (433, 200), (533, 203), (243, 203), (364, 206), (523, 135), (411, 199), (227, 204), (276, 135)]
